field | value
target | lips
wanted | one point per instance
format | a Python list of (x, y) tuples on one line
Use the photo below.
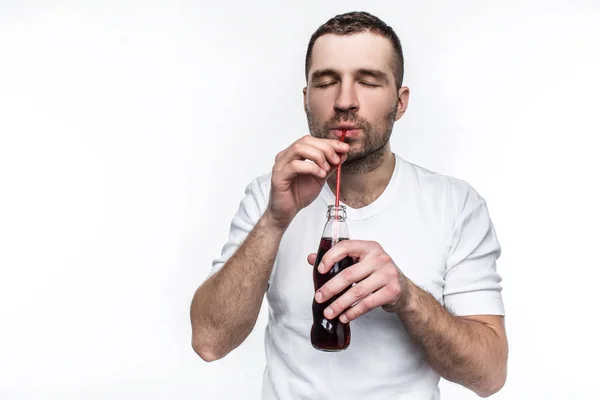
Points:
[(349, 132)]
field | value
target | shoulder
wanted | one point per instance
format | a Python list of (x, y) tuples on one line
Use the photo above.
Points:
[(447, 192), (257, 192), (260, 186)]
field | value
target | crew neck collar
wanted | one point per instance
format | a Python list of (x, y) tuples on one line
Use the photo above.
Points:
[(376, 206)]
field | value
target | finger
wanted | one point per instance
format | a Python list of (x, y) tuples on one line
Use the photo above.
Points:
[(312, 257), (330, 147), (303, 151), (298, 167), (354, 294), (343, 158), (352, 248), (370, 302), (341, 281), (337, 145)]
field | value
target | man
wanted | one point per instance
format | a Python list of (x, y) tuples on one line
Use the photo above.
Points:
[(427, 298)]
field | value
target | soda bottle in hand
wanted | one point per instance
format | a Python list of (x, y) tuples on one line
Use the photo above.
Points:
[(326, 334)]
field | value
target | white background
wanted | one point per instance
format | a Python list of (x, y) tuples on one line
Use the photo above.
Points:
[(130, 129)]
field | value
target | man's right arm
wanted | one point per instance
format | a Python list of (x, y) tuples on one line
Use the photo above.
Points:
[(225, 307)]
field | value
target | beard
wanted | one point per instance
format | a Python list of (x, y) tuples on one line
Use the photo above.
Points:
[(367, 151)]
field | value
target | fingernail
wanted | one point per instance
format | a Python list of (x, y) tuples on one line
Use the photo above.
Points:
[(328, 312), (343, 319), (336, 158), (327, 167), (319, 296), (321, 268)]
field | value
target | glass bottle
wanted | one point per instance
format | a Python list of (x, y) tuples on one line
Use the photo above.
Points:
[(325, 334)]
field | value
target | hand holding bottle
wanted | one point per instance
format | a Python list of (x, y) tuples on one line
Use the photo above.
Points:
[(379, 282)]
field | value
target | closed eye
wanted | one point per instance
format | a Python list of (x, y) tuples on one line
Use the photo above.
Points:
[(368, 84), (326, 84)]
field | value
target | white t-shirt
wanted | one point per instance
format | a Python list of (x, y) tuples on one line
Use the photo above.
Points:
[(438, 232)]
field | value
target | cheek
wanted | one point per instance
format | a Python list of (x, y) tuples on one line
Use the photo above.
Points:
[(377, 108), (320, 105)]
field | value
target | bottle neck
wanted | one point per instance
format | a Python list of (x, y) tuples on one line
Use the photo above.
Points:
[(336, 227), (336, 213)]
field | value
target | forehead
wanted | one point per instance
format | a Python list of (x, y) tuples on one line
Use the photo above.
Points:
[(350, 52)]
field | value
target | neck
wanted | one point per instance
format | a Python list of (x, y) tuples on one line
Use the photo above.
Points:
[(364, 180)]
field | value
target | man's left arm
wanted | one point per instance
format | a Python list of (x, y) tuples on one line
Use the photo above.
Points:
[(463, 340), (469, 350)]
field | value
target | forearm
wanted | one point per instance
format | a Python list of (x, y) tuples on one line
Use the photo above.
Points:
[(461, 350), (225, 307)]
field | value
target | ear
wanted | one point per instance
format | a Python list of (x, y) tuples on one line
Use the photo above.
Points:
[(304, 99), (403, 95)]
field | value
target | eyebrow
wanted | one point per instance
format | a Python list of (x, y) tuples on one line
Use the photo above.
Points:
[(374, 73), (328, 72), (322, 73)]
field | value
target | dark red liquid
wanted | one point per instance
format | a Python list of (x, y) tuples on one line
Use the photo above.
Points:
[(325, 334)]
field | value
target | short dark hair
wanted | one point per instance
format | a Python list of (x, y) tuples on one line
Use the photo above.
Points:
[(359, 22)]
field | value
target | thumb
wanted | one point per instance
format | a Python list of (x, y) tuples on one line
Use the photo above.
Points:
[(312, 257)]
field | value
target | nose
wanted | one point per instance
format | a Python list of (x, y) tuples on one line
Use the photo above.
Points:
[(346, 99)]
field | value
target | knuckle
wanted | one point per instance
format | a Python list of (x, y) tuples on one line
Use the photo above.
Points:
[(382, 257), (352, 313), (394, 289), (296, 147), (389, 276), (377, 245), (367, 303), (358, 291), (347, 274), (393, 274), (322, 157), (293, 167), (373, 245), (359, 309)]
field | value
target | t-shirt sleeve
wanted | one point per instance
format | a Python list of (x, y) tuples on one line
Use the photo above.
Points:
[(250, 210), (472, 284)]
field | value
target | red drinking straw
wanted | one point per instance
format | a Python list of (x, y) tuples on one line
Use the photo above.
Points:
[(339, 176), (337, 196)]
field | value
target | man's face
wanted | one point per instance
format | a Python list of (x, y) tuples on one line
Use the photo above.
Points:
[(351, 86)]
